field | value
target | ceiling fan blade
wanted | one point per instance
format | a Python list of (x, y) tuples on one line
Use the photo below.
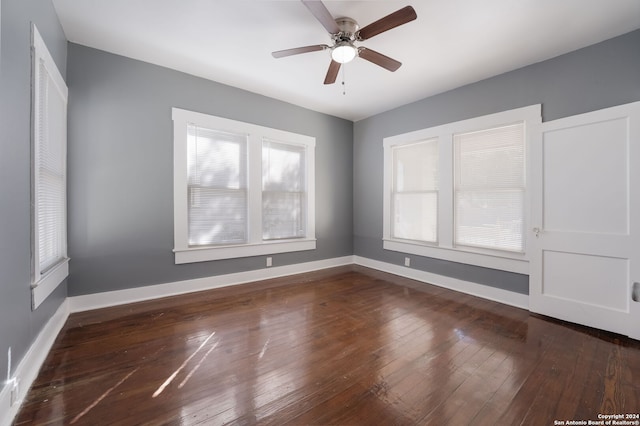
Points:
[(298, 50), (397, 18), (332, 73), (319, 10), (379, 59)]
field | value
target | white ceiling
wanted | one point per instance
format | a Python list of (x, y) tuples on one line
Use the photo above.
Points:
[(452, 43)]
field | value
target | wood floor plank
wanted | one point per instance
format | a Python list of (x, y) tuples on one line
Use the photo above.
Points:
[(344, 346)]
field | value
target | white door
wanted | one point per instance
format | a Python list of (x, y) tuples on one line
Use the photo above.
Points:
[(585, 241)]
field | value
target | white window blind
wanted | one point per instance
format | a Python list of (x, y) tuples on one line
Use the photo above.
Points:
[(50, 164), (489, 188), (414, 197), (217, 187), (283, 190), (50, 264)]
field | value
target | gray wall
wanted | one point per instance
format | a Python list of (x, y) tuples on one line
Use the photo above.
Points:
[(19, 326), (589, 79), (121, 172)]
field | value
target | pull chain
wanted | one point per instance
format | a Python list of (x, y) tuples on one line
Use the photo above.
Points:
[(344, 89)]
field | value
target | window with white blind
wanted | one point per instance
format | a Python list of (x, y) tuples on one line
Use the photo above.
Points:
[(414, 191), (217, 176), (490, 187), (458, 191), (49, 188), (283, 190), (240, 189)]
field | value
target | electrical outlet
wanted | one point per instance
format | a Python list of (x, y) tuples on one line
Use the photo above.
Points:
[(15, 391), (269, 262), (407, 261)]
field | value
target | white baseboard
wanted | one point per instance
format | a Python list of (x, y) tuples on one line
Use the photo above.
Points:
[(139, 294), (486, 292), (29, 366)]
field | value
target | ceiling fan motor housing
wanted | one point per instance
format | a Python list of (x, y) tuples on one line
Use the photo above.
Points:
[(348, 28)]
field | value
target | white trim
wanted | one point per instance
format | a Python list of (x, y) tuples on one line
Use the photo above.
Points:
[(445, 248), (121, 297), (48, 283), (486, 292), (518, 263), (531, 112), (202, 254), (30, 365), (41, 52)]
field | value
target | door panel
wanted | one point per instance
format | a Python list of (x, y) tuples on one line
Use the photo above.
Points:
[(596, 280), (585, 240), (585, 178)]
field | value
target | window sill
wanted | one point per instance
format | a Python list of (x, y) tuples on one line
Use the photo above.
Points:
[(41, 289), (517, 263), (203, 254)]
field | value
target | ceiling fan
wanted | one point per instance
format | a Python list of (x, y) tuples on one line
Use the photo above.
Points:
[(345, 33)]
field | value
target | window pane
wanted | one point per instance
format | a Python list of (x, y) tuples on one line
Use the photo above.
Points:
[(51, 219), (50, 185), (217, 216), (216, 159), (492, 158), (415, 216), (283, 190), (415, 166), (281, 215), (217, 178), (489, 188), (491, 219), (414, 195)]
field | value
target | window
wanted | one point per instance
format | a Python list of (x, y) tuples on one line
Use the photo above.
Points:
[(283, 191), (49, 150), (414, 191), (217, 181), (458, 191), (489, 188), (240, 189)]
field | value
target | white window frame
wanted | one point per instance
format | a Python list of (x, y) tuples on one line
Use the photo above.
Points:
[(44, 282), (255, 246), (445, 248)]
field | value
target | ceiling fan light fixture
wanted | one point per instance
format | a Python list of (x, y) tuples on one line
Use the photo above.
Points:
[(344, 52)]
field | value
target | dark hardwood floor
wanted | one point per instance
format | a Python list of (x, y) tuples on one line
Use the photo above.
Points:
[(346, 346)]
